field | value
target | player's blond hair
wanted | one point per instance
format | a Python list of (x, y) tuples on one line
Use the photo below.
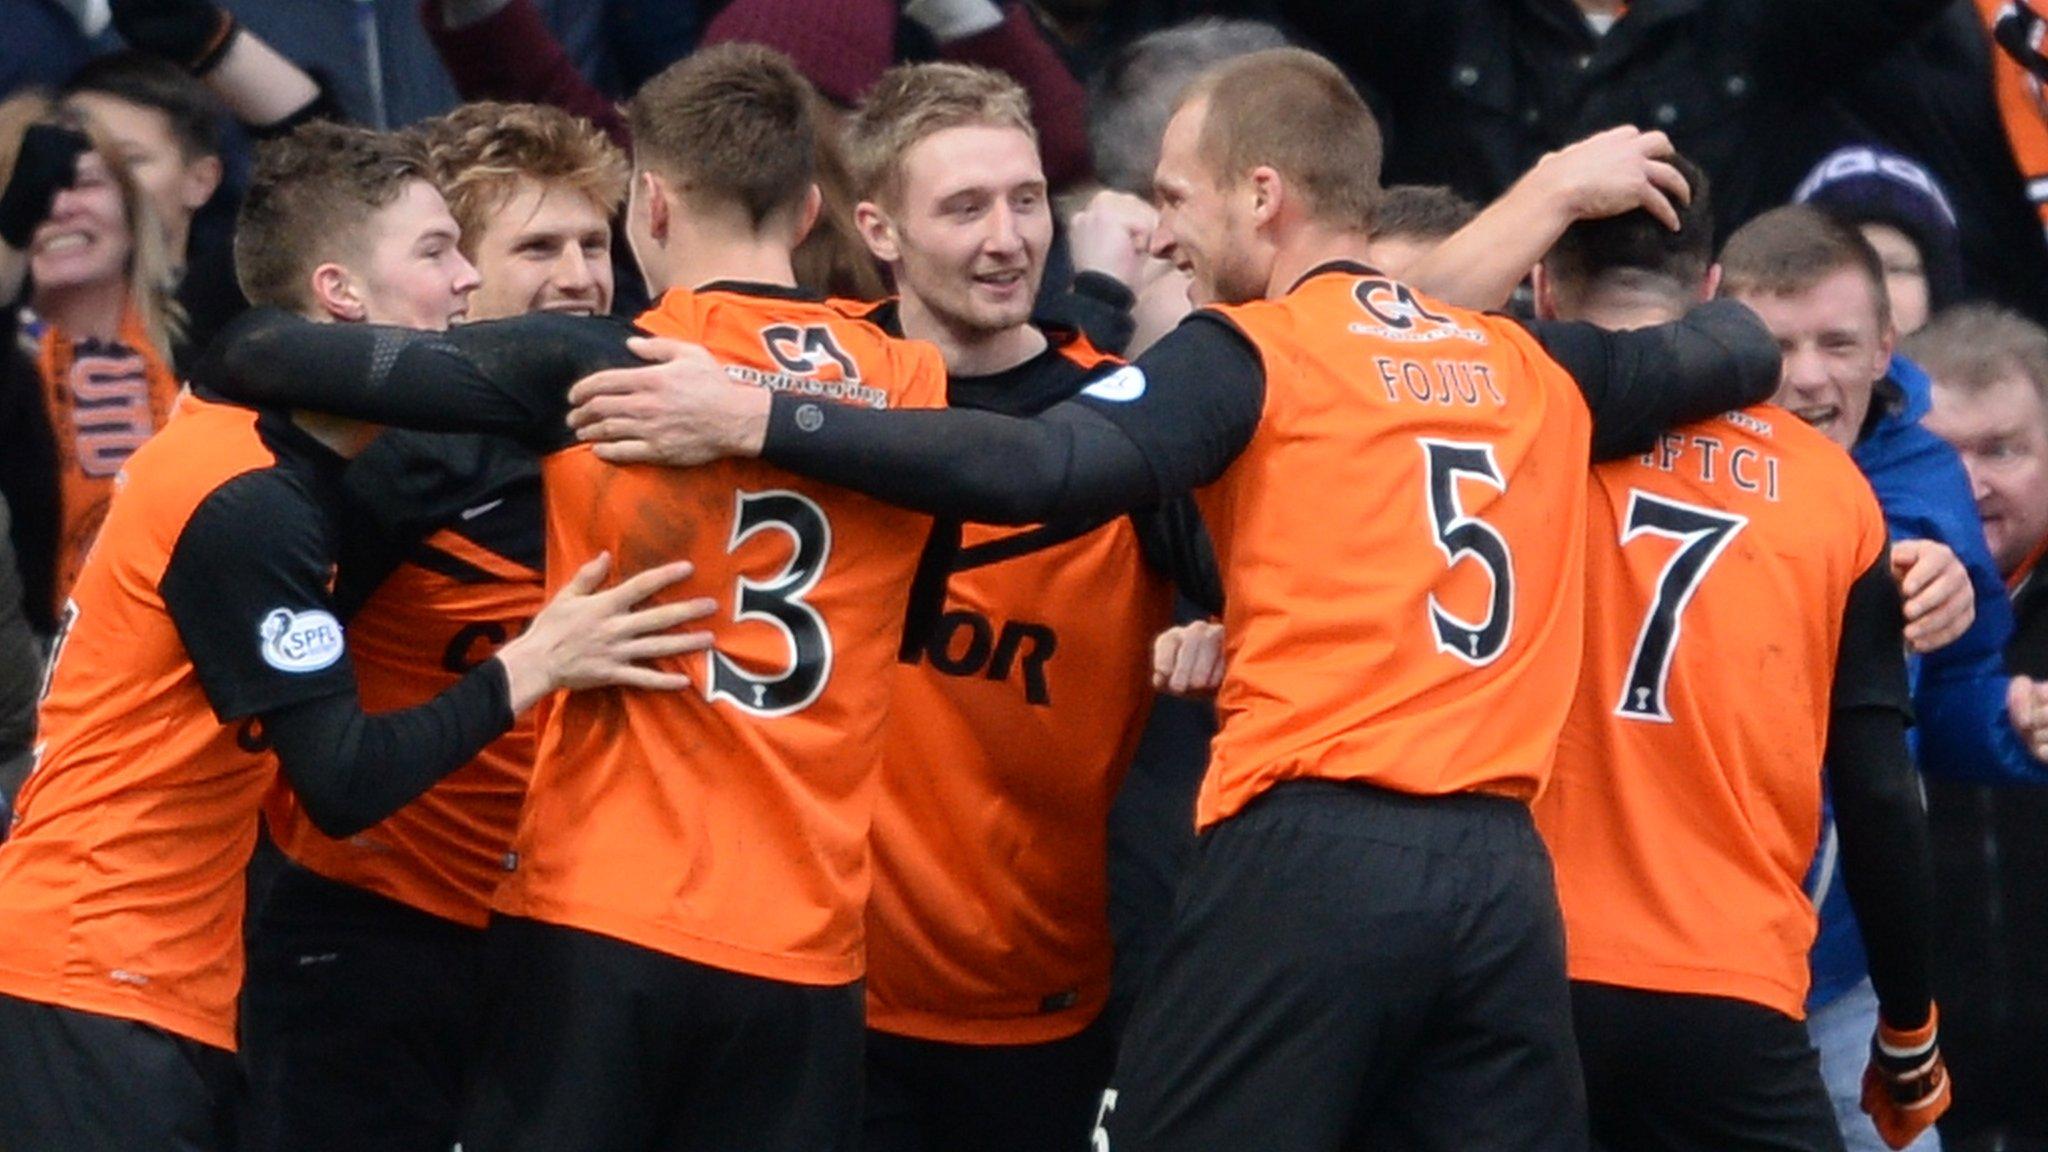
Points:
[(1290, 110), (913, 101), (478, 154), (152, 266)]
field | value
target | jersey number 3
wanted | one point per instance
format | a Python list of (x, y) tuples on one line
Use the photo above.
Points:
[(1702, 535), (1458, 536), (779, 600)]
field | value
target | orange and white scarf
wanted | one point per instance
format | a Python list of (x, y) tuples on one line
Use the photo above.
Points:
[(103, 400)]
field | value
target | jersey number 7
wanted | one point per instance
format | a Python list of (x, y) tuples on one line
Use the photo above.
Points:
[(1703, 534)]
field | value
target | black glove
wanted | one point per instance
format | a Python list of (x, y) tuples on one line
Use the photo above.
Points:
[(46, 165), (193, 34)]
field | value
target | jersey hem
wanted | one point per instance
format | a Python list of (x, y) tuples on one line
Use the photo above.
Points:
[(988, 1030), (1773, 994), (204, 1029), (818, 971)]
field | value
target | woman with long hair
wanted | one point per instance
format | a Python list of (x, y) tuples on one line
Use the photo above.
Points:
[(87, 282)]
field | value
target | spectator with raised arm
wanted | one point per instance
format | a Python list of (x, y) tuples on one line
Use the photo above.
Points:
[(86, 275)]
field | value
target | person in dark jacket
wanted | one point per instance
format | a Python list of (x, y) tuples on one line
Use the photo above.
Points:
[(1474, 91), (1990, 400)]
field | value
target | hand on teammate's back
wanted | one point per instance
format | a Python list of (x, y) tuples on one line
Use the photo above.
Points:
[(679, 410), (590, 638), (1613, 172), (1940, 603), (1187, 660), (1906, 1084), (46, 164)]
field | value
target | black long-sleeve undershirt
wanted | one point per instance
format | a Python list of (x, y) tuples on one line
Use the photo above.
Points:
[(1879, 814), (506, 377), (352, 769), (1175, 419)]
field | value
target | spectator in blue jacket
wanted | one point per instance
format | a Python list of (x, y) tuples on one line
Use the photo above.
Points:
[(1819, 287)]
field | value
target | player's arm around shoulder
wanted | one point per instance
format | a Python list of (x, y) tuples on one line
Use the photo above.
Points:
[(1642, 382)]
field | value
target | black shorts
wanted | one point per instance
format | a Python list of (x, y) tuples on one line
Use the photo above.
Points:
[(1356, 968), (1667, 1071), (74, 1081), (359, 1018), (932, 1096), (593, 1044)]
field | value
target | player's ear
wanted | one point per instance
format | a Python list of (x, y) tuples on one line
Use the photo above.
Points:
[(1712, 283), (877, 230), (1268, 194), (1544, 288), (807, 216), (658, 208), (336, 294)]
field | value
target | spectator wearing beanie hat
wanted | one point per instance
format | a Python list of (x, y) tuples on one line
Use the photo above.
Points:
[(1904, 213)]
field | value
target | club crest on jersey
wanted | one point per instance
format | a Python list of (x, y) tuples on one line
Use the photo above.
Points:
[(809, 362), (1119, 387), (300, 641), (810, 350), (1399, 314)]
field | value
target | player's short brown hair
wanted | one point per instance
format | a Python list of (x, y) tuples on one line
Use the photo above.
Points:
[(1293, 111), (308, 201), (1426, 212), (913, 101), (1788, 250), (1634, 250), (478, 154), (732, 123), (1972, 347)]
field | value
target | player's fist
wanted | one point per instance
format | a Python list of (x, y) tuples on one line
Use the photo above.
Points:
[(1188, 660), (1906, 1084), (192, 34), (1113, 235), (44, 165), (1939, 601)]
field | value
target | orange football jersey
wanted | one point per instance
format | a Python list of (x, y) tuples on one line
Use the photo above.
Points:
[(1009, 733), (435, 617), (728, 824), (1686, 802), (121, 886), (1401, 548)]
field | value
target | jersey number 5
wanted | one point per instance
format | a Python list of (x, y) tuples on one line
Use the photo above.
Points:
[(1702, 535), (779, 600), (1457, 536)]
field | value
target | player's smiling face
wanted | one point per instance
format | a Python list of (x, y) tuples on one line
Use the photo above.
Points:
[(972, 226), (413, 274), (548, 248), (1202, 229), (1835, 347), (86, 239)]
